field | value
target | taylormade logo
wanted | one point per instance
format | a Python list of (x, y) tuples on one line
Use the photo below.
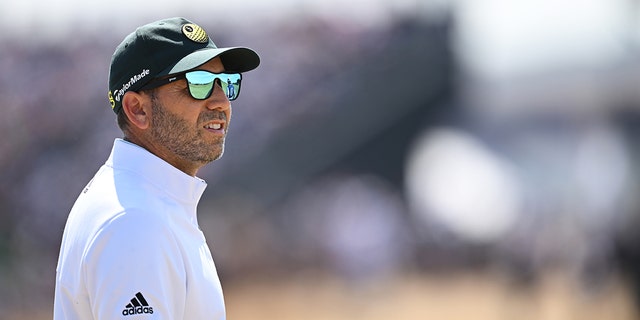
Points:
[(132, 81)]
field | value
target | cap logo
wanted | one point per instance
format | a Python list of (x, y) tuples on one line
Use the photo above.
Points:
[(111, 101), (195, 33)]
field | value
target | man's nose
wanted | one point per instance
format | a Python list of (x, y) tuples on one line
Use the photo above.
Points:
[(218, 99)]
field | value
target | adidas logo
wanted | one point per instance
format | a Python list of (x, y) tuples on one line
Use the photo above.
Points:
[(138, 305)]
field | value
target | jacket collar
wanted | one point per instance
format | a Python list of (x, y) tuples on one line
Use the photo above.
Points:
[(133, 158)]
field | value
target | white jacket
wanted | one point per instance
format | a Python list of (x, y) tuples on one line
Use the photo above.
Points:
[(132, 248)]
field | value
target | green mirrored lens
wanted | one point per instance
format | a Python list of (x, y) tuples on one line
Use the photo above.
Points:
[(230, 84), (201, 84)]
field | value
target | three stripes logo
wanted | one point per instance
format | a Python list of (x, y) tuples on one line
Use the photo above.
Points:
[(138, 305)]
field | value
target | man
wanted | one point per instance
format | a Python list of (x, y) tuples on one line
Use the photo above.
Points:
[(132, 247)]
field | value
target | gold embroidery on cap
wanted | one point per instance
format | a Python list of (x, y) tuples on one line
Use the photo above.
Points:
[(111, 101), (195, 33)]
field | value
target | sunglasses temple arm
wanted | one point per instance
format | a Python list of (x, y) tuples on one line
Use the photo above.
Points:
[(160, 82)]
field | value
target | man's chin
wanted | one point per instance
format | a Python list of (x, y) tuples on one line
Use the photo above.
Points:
[(215, 155)]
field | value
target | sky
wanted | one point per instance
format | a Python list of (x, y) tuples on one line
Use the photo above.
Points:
[(500, 38)]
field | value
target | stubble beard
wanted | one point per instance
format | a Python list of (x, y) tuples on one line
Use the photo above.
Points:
[(181, 137)]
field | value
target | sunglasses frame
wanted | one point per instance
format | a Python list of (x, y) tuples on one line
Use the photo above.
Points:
[(158, 82)]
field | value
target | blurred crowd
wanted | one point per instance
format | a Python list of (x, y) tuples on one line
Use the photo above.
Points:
[(358, 151)]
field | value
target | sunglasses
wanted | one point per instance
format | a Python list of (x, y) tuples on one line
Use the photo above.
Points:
[(201, 83)]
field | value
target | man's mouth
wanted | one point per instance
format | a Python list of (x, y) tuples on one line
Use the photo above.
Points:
[(213, 126)]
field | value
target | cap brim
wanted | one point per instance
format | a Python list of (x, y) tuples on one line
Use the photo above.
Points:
[(234, 59)]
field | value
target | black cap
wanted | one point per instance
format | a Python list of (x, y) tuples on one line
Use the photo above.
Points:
[(166, 47)]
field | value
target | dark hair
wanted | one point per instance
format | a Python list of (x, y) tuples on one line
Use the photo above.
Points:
[(122, 120)]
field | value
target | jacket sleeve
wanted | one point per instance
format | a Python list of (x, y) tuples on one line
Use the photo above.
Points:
[(134, 266)]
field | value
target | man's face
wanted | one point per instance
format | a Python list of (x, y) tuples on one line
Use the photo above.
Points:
[(188, 128)]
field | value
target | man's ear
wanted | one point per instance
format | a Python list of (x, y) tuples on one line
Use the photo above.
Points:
[(137, 107)]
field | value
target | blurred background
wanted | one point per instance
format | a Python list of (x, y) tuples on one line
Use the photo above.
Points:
[(407, 159)]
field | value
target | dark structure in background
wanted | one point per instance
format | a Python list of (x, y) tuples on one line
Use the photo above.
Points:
[(378, 107), (627, 239)]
